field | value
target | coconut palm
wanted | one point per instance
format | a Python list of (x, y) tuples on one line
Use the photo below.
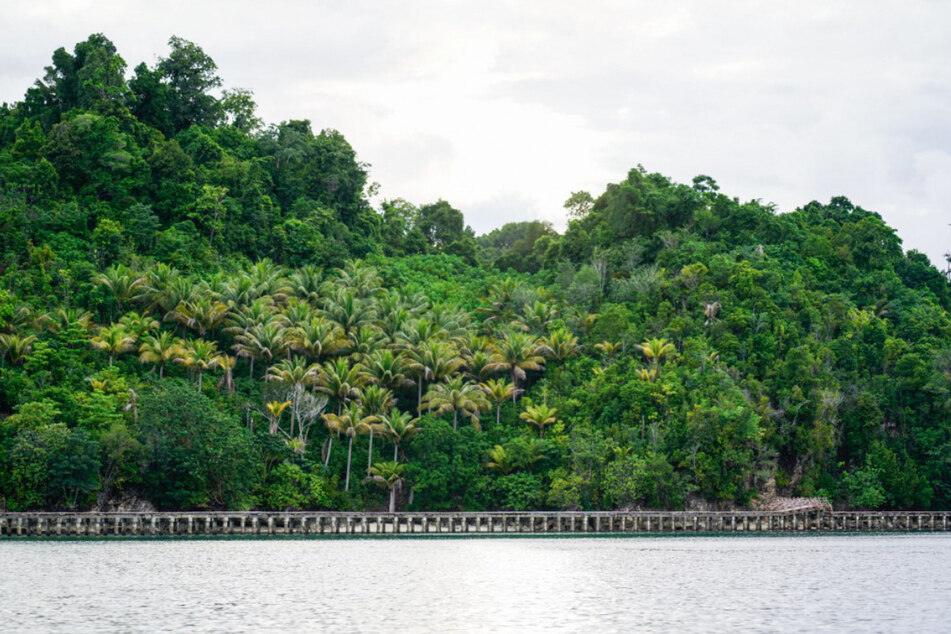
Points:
[(274, 411), (305, 282), (387, 368), (226, 363), (369, 426), (14, 347), (501, 460), (654, 350), (390, 475), (538, 316), (497, 391), (560, 345), (359, 277), (457, 396), (294, 372), (432, 361), (266, 341), (376, 399), (540, 416), (607, 349), (202, 314), (68, 317), (198, 354), (316, 338), (348, 310), (398, 427), (362, 341), (113, 339), (296, 312), (340, 380), (159, 349), (349, 423), (126, 286), (517, 353), (139, 325)]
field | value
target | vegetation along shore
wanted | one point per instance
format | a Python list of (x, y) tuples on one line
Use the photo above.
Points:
[(199, 311)]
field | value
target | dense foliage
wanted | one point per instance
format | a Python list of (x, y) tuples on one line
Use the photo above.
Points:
[(198, 311)]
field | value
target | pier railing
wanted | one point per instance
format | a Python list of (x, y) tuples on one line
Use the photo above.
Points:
[(494, 523)]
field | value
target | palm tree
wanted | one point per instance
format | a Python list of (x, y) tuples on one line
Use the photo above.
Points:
[(397, 427), (15, 347), (159, 349), (645, 374), (305, 282), (67, 317), (390, 475), (456, 395), (538, 316), (295, 372), (515, 354), (349, 423), (369, 426), (126, 286), (113, 339), (376, 399), (296, 312), (501, 460), (274, 411), (348, 310), (265, 341), (497, 391), (139, 325), (540, 416), (315, 338), (607, 349), (359, 277), (202, 314), (655, 350), (341, 381), (432, 361), (198, 354), (560, 345), (387, 368), (226, 363), (362, 341)]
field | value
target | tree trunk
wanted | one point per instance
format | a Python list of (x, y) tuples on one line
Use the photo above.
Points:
[(419, 397), (396, 447), (498, 413), (346, 487), (455, 420), (161, 370), (393, 499), (330, 447), (370, 452), (199, 379), (514, 386)]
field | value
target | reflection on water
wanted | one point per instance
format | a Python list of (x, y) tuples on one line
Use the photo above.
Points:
[(806, 583)]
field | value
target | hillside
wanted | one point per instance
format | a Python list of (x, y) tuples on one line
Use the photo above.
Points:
[(199, 310)]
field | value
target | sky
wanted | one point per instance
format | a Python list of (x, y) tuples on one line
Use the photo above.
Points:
[(504, 108)]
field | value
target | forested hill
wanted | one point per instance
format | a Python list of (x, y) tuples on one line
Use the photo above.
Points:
[(198, 310)]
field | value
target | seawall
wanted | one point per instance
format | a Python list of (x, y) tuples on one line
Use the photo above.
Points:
[(13, 525)]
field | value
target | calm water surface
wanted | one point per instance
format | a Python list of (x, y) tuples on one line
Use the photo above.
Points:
[(802, 584)]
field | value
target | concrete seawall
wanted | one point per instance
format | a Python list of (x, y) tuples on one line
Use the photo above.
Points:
[(13, 525)]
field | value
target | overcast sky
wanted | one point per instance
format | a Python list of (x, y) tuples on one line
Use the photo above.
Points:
[(505, 108)]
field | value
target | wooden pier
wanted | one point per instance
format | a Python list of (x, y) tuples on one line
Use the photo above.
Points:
[(196, 524)]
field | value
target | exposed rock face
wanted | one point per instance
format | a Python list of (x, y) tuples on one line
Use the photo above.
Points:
[(786, 505), (129, 503)]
